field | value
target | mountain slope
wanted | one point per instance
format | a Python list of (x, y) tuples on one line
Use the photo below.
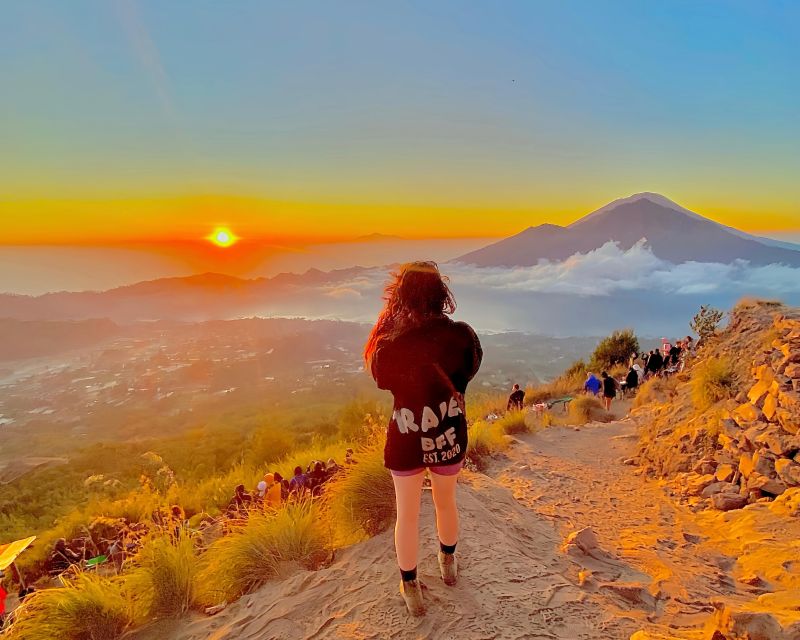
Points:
[(673, 233)]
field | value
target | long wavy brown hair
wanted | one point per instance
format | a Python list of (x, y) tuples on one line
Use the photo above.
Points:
[(415, 293)]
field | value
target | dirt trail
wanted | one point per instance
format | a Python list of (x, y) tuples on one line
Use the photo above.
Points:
[(654, 566)]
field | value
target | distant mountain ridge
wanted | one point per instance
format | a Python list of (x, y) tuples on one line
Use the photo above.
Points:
[(672, 232)]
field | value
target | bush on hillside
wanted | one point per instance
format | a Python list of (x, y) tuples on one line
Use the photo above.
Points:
[(252, 553), (613, 350), (87, 607), (712, 380), (485, 439), (576, 371), (706, 322), (361, 497)]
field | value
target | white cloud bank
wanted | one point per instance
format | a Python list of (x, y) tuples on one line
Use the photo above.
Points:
[(603, 272)]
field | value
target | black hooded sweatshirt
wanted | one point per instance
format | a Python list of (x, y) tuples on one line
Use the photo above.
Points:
[(427, 369)]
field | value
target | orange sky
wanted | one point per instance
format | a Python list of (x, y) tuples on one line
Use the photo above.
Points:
[(186, 219)]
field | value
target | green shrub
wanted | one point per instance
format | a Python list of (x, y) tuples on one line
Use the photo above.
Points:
[(615, 349), (712, 380), (87, 607), (705, 323), (252, 553), (360, 499)]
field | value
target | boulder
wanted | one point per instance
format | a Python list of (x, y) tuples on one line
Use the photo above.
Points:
[(788, 471), (705, 466), (724, 472), (696, 484), (728, 501), (792, 370), (746, 465), (759, 390), (779, 442), (729, 428), (770, 406), (764, 463), (764, 373), (719, 487), (789, 420), (789, 400), (765, 484), (727, 624), (747, 413)]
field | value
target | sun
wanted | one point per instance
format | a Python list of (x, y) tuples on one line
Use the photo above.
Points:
[(222, 237)]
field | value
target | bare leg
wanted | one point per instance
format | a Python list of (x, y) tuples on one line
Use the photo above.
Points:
[(444, 499), (407, 490)]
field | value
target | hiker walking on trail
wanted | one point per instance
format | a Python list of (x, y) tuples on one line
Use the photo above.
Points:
[(609, 390), (592, 384), (426, 360), (516, 399)]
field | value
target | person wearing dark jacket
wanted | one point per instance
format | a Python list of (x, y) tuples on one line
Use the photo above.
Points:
[(609, 390), (655, 363), (426, 360), (632, 380), (516, 399)]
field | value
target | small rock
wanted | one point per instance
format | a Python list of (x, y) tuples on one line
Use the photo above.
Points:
[(584, 539), (211, 611)]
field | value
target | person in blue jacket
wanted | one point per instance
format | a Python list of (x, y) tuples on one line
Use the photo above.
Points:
[(592, 384)]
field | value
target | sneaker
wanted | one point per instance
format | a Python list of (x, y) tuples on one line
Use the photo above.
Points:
[(411, 590), (449, 567)]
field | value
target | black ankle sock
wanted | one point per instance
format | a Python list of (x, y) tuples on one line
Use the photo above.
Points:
[(447, 548), (411, 574)]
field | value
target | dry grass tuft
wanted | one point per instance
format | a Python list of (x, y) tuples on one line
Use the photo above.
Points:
[(485, 439), (713, 380), (254, 552), (513, 422), (87, 607)]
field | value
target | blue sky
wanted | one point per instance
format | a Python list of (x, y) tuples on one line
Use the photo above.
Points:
[(544, 109)]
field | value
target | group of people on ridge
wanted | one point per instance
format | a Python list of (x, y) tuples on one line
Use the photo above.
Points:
[(273, 489)]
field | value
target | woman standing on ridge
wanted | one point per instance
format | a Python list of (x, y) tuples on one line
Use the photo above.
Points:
[(426, 360)]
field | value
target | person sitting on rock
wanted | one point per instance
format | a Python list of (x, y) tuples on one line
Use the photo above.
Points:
[(515, 399), (240, 502), (272, 497), (297, 484)]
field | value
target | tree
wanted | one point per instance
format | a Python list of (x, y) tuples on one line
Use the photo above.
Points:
[(705, 323), (615, 349)]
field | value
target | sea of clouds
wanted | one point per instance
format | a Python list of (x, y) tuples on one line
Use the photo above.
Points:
[(610, 285)]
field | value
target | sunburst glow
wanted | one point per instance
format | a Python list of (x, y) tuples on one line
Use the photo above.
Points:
[(222, 237)]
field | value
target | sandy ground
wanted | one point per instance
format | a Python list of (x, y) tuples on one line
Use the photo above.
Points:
[(658, 565)]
